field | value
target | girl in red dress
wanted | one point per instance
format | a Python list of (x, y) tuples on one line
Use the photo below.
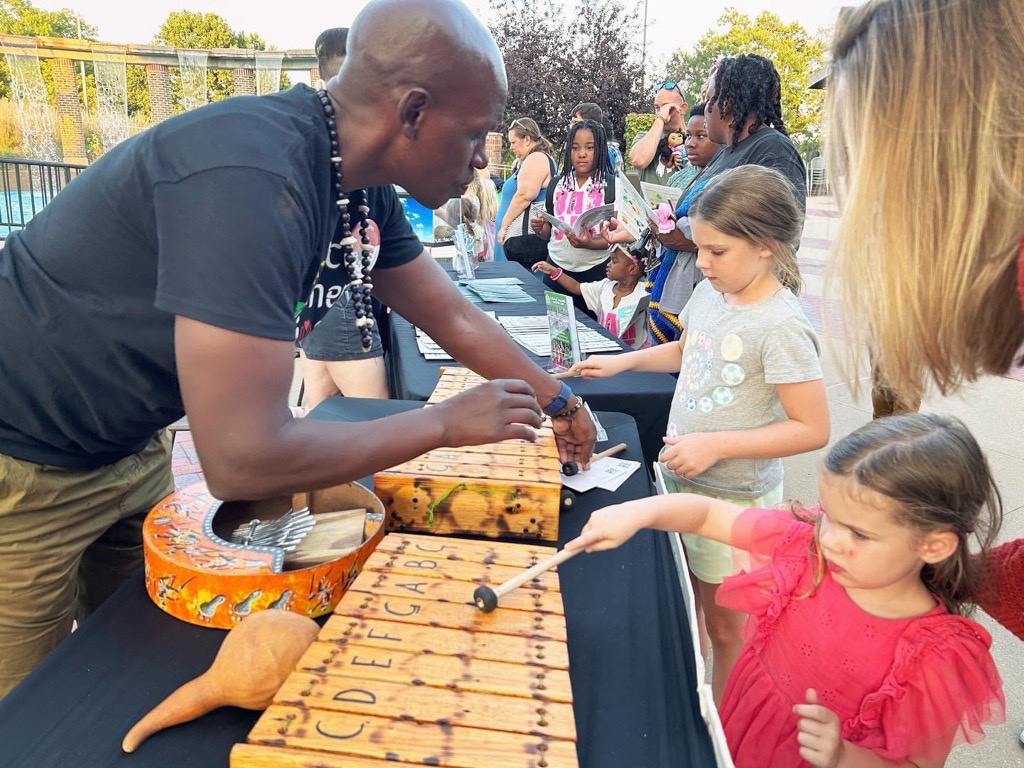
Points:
[(858, 651)]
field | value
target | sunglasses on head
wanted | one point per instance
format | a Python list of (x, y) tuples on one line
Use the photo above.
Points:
[(667, 85)]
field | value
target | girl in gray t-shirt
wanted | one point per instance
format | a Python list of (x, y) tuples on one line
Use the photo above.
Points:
[(750, 387)]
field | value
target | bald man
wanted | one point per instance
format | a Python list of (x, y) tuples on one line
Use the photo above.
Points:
[(165, 281)]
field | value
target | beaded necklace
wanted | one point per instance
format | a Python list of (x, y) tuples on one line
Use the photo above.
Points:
[(350, 205)]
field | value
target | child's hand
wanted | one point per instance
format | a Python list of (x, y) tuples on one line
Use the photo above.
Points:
[(598, 367), (818, 732), (543, 266), (607, 529), (691, 455)]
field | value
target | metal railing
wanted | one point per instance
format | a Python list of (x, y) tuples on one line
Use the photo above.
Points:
[(27, 186)]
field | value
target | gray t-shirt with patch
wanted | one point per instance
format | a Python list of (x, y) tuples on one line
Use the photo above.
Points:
[(733, 356)]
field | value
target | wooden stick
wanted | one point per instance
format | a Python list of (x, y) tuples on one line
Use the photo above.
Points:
[(486, 597), (571, 468), (609, 452)]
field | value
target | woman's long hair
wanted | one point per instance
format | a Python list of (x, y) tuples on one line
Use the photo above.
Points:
[(925, 148)]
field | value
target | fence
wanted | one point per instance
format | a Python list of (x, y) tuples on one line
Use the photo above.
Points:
[(28, 185)]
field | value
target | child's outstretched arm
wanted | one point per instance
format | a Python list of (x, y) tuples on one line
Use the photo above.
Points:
[(570, 284), (806, 429), (684, 512), (663, 358), (822, 744)]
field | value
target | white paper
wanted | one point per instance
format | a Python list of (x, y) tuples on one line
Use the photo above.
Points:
[(608, 473)]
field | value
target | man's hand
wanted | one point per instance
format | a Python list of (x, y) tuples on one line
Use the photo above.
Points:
[(502, 409), (691, 455), (666, 112), (818, 732), (575, 436)]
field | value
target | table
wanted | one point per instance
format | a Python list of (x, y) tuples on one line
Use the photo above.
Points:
[(646, 397), (631, 663)]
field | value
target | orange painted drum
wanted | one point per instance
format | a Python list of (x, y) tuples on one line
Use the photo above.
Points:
[(195, 573)]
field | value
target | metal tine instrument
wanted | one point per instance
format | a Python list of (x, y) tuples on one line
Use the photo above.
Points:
[(286, 532)]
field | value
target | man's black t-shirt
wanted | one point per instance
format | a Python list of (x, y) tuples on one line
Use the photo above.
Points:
[(221, 214)]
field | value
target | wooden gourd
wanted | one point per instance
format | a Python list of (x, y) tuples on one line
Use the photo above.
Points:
[(252, 663)]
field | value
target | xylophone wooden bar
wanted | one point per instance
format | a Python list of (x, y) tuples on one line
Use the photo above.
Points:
[(445, 590), (425, 564), (536, 651), (427, 679), (396, 700), (412, 741)]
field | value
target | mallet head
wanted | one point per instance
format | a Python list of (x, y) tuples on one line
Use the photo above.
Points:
[(485, 598), (570, 468)]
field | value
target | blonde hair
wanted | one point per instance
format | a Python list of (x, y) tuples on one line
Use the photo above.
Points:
[(756, 204), (483, 188), (926, 147)]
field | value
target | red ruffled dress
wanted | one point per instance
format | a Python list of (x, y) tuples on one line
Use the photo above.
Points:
[(901, 687)]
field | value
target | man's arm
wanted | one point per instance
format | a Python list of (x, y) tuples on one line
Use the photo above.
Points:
[(642, 153), (235, 388), (422, 293)]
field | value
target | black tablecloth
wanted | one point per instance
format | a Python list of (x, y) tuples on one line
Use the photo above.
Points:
[(631, 665), (646, 397)]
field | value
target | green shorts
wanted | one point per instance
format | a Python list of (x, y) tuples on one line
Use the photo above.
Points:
[(711, 561)]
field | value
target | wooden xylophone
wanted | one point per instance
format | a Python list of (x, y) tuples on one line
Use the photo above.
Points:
[(409, 672), (502, 490)]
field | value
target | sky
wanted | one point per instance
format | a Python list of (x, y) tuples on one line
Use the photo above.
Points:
[(297, 26)]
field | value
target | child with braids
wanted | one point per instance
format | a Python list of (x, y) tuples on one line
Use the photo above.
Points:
[(857, 652), (750, 387), (586, 181)]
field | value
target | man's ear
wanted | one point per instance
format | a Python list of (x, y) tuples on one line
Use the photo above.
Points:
[(411, 108)]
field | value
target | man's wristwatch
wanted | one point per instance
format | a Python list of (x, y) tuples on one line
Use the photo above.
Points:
[(560, 402)]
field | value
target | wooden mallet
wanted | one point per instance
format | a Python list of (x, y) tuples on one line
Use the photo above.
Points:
[(571, 468), (486, 598)]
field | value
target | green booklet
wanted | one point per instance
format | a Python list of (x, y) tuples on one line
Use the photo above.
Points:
[(565, 340)]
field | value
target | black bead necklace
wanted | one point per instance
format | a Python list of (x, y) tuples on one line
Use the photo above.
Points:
[(351, 204)]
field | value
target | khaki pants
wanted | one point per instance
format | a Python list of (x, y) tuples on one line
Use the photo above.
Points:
[(68, 539)]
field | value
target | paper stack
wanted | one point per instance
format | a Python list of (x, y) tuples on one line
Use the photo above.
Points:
[(608, 473), (503, 290)]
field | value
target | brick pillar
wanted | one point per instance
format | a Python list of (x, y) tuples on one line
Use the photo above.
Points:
[(245, 81), (69, 111), (494, 150), (314, 77), (158, 83)]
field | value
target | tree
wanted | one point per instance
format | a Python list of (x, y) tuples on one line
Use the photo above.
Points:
[(20, 17), (796, 54), (552, 66), (197, 31)]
